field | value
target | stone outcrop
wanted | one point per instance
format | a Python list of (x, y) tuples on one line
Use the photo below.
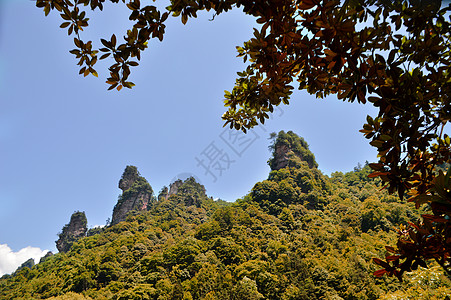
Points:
[(72, 232), (45, 257), (174, 187), (281, 157), (290, 150), (188, 192), (136, 195), (28, 264), (129, 177), (164, 193)]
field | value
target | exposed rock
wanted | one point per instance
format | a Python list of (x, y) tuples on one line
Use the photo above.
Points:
[(164, 193), (28, 264), (280, 156), (174, 187), (129, 177), (188, 192), (72, 232), (95, 230), (290, 150), (136, 195), (45, 257)]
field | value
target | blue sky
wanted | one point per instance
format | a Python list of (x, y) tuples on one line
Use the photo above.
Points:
[(65, 140)]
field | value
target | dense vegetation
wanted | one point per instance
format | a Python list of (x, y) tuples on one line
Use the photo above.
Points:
[(393, 55), (297, 235)]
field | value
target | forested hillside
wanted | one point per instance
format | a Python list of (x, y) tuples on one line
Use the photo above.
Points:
[(297, 235)]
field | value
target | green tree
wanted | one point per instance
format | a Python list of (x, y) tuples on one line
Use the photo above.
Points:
[(247, 289), (392, 54)]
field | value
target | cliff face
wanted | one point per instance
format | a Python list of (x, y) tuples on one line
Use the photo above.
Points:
[(129, 177), (280, 160), (28, 264), (136, 195), (290, 150), (188, 192), (72, 232), (45, 257), (174, 187)]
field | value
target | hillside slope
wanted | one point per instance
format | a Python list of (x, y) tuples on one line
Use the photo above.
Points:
[(297, 235)]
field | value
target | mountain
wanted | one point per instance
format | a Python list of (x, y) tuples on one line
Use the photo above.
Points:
[(299, 234), (136, 195), (73, 231)]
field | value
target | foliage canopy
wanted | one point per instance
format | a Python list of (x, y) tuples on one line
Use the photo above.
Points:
[(296, 235)]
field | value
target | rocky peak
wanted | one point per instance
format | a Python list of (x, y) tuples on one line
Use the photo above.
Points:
[(46, 256), (174, 187), (136, 195), (188, 192), (27, 264), (72, 231), (290, 150), (281, 156), (163, 194), (129, 177)]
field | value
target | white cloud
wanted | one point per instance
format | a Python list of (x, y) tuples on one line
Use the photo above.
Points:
[(95, 226), (10, 260)]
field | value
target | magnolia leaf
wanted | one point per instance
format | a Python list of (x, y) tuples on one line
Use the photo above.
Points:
[(380, 273), (378, 174)]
